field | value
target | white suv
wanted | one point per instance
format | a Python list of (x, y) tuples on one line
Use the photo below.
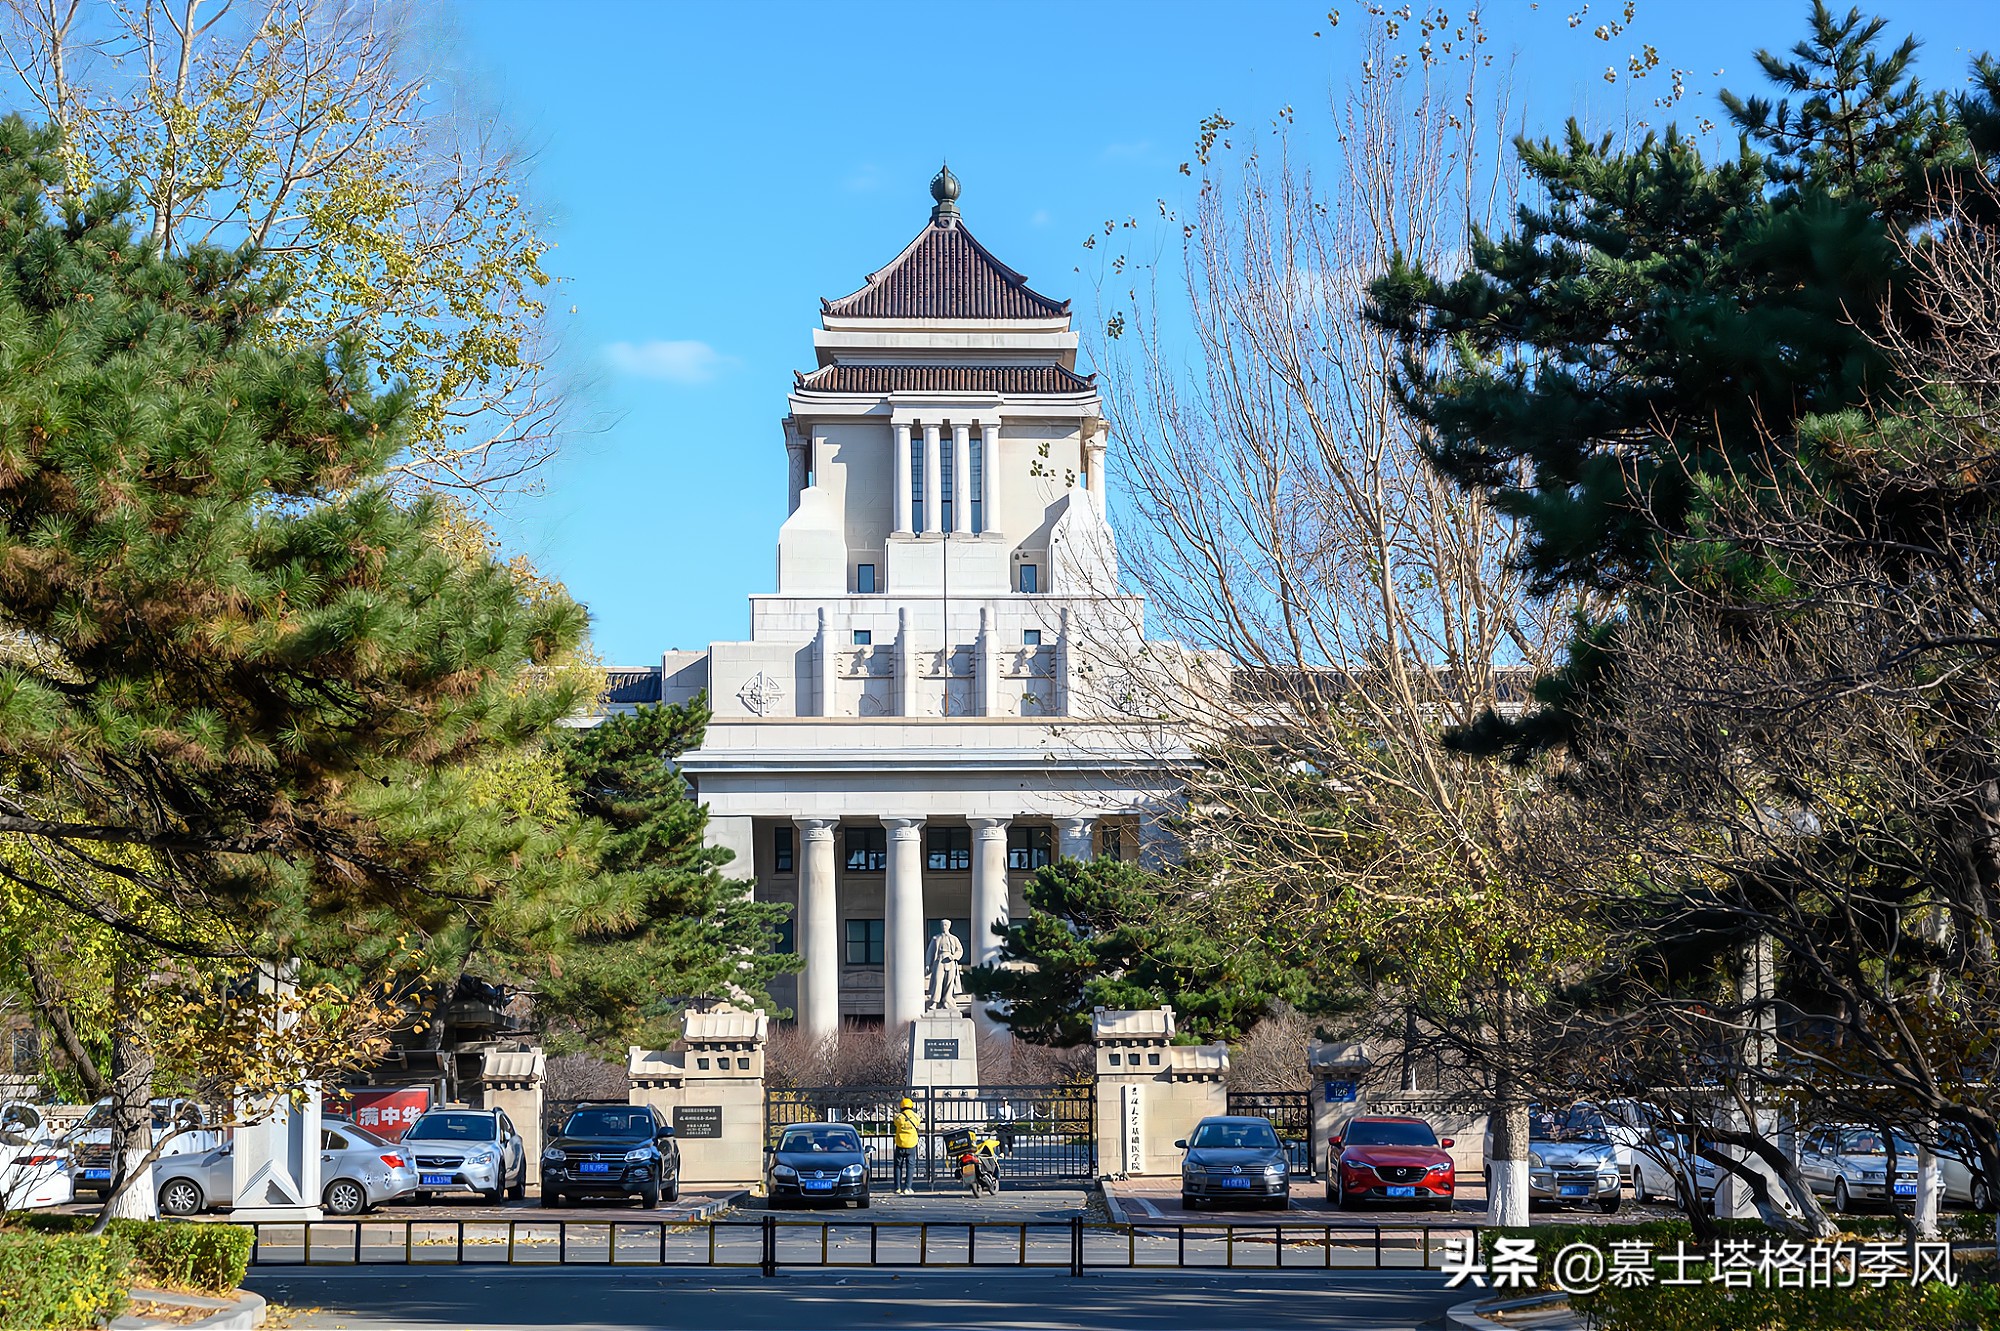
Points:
[(467, 1150)]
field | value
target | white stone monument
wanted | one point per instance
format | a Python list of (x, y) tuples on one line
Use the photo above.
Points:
[(944, 1044), (274, 1160)]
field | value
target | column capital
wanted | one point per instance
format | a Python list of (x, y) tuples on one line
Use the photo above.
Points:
[(903, 829), (1076, 826), (816, 829), (987, 829)]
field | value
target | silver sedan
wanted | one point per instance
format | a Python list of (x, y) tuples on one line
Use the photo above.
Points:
[(357, 1169)]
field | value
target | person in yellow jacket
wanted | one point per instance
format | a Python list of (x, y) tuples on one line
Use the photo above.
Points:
[(909, 1130)]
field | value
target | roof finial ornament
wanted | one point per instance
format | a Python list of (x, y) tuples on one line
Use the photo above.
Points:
[(944, 189)]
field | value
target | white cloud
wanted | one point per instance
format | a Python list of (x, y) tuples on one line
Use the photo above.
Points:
[(677, 362)]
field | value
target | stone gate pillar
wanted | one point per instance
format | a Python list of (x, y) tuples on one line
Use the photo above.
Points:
[(511, 1080), (1150, 1092), (709, 1085), (1335, 1077)]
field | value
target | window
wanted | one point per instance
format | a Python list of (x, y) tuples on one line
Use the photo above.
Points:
[(916, 480), (864, 578), (1111, 840), (1031, 638), (1030, 578), (867, 849), (944, 484), (977, 482), (950, 848), (1029, 847), (864, 942), (781, 850), (963, 928), (863, 637), (788, 937)]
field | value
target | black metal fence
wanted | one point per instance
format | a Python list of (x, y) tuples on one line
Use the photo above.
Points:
[(1290, 1113), (771, 1244), (1045, 1132)]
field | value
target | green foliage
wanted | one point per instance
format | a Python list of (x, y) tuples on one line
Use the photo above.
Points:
[(1104, 933), (62, 1280), (166, 1254)]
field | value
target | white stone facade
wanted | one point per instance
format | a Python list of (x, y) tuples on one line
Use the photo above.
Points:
[(907, 732)]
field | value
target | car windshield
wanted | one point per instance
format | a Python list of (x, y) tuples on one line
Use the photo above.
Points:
[(1867, 1141), (452, 1128), (361, 1136), (1237, 1136), (818, 1140), (609, 1123), (1365, 1133)]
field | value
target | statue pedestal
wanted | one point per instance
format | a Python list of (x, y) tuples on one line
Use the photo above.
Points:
[(944, 1050)]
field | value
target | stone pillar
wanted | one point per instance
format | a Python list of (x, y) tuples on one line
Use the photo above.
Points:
[(1076, 841), (511, 1080), (989, 905), (1093, 462), (933, 508), (274, 1167), (1151, 1092), (1064, 684), (1336, 1075), (905, 691), (903, 927), (709, 1086), (988, 665), (823, 650), (961, 478), (989, 469), (795, 451), (902, 482), (818, 927)]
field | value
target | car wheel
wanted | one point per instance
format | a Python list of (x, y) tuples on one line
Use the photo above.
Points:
[(1982, 1195), (1190, 1203), (1609, 1205), (672, 1192), (1842, 1199), (1341, 1200), (649, 1197), (423, 1198), (520, 1188), (551, 1198), (346, 1197), (181, 1197), (1639, 1192), (863, 1203)]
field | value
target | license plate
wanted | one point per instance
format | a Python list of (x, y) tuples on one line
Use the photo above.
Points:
[(1906, 1189), (436, 1180), (1402, 1190), (92, 1175), (594, 1167), (1236, 1183), (821, 1185), (1575, 1190)]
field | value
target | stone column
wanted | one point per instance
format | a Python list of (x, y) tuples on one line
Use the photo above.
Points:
[(817, 927), (511, 1080), (1093, 453), (1075, 834), (795, 453), (989, 905), (933, 509), (988, 664), (989, 469), (902, 473), (961, 478), (903, 927)]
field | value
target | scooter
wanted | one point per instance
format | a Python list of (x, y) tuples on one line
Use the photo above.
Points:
[(978, 1160)]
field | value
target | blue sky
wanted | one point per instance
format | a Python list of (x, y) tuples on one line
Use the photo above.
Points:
[(710, 171)]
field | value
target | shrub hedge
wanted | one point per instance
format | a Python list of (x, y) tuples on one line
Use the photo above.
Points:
[(196, 1255), (62, 1280)]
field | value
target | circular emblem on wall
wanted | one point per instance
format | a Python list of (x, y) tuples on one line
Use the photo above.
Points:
[(761, 694)]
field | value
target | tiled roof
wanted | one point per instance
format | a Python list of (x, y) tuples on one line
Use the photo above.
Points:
[(945, 274), (632, 684), (944, 379)]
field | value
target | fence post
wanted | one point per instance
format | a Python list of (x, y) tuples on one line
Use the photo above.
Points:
[(770, 1245), (1076, 1245)]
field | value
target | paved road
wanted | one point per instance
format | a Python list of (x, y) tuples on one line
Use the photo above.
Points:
[(601, 1301), (1057, 1203)]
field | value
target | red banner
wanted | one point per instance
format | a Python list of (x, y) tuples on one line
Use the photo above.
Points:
[(387, 1111)]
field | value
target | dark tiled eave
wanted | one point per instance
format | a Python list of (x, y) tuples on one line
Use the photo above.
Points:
[(945, 274), (1010, 379)]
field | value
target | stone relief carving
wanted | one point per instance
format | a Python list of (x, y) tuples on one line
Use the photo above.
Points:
[(761, 694)]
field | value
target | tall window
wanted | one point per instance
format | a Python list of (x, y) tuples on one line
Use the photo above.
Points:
[(867, 849), (781, 850), (945, 452), (788, 941), (976, 485), (916, 480), (1111, 841), (864, 578), (1031, 578), (864, 942), (950, 848), (1030, 847)]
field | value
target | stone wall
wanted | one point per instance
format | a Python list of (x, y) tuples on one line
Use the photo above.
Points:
[(510, 1080), (710, 1087), (1151, 1092)]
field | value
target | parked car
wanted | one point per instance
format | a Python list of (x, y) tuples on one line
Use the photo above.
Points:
[(1964, 1184), (34, 1162), (1390, 1159), (1850, 1163), (1231, 1157), (1576, 1169), (1629, 1125), (358, 1171), (818, 1162), (612, 1151), (179, 1128), (1672, 1154), (467, 1150)]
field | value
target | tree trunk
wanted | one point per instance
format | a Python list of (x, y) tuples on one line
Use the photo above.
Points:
[(1507, 1118), (132, 1111)]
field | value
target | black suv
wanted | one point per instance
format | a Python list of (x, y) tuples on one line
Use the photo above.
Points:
[(612, 1151)]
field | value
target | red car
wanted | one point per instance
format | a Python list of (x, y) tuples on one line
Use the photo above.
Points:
[(1393, 1159)]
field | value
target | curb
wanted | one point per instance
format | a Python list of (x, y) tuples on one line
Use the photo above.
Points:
[(718, 1203), (1111, 1203), (1468, 1316), (244, 1311)]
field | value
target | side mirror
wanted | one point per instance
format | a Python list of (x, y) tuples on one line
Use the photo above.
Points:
[(868, 1150), (1447, 1143), (664, 1134), (1181, 1145), (1334, 1142)]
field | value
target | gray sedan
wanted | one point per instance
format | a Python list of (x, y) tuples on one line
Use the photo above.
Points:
[(357, 1169), (1851, 1164), (1234, 1158)]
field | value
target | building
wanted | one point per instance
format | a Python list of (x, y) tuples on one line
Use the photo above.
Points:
[(911, 728)]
